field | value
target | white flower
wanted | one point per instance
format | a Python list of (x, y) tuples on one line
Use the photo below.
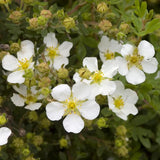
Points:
[(108, 48), (24, 97), (18, 65), (99, 80), (4, 134), (72, 103), (56, 54), (137, 60), (122, 101)]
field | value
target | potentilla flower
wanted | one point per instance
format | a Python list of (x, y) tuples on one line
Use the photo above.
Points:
[(4, 135), (23, 97), (108, 48), (122, 101), (136, 60), (56, 54), (98, 80), (72, 103), (19, 65)]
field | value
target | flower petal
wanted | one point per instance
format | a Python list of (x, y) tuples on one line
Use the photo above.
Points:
[(109, 68), (131, 96), (33, 106), (65, 48), (16, 77), (135, 76), (146, 49), (55, 111), (50, 40), (115, 46), (91, 63), (76, 77), (89, 109), (18, 100), (103, 46), (61, 92), (95, 90), (127, 49), (10, 63), (22, 89), (4, 134), (73, 123), (27, 45), (129, 109), (122, 66), (150, 65), (59, 61), (102, 56), (122, 115)]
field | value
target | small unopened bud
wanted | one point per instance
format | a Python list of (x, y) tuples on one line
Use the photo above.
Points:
[(100, 99), (15, 16), (14, 48), (63, 143), (33, 23), (124, 27), (18, 143), (122, 151), (22, 132), (45, 91), (62, 73), (86, 16), (26, 152), (43, 67), (69, 23), (118, 143), (121, 130), (84, 73), (45, 123), (44, 82), (46, 13), (42, 21), (29, 135), (60, 14), (120, 35), (101, 123), (105, 25), (102, 7), (28, 1), (3, 119), (33, 116), (28, 74), (37, 140), (2, 54)]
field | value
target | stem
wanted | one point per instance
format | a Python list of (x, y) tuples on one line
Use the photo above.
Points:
[(7, 7)]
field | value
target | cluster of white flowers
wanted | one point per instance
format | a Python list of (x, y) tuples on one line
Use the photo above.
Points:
[(78, 101)]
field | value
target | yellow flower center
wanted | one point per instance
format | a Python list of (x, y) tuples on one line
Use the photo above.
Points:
[(97, 77), (109, 56), (134, 60), (31, 99), (52, 52), (118, 102), (71, 105), (24, 64)]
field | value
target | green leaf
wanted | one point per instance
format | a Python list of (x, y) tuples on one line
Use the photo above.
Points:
[(145, 141), (90, 42)]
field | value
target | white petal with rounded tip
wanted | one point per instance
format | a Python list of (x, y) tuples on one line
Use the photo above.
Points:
[(73, 123), (50, 40), (95, 90), (122, 66), (102, 57), (27, 45), (146, 49), (16, 77), (103, 46), (4, 134), (18, 100), (81, 91), (55, 111), (109, 68), (150, 66), (135, 76), (22, 89), (76, 77), (131, 96), (127, 49), (89, 110), (59, 61), (10, 63), (122, 115), (91, 63), (61, 92), (22, 55), (33, 106), (107, 87), (129, 109), (65, 48), (115, 46), (111, 102)]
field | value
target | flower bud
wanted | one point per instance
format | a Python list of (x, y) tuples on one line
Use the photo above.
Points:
[(37, 140), (45, 91), (33, 24), (122, 151), (26, 152), (3, 119), (46, 13), (28, 74), (120, 35), (118, 143), (15, 16), (29, 135), (14, 48), (33, 116), (121, 130), (84, 73), (101, 123), (69, 23), (42, 21), (102, 7), (22, 132), (86, 16), (28, 1), (45, 123), (43, 67), (100, 99), (105, 25), (63, 143), (62, 73), (60, 14), (18, 143), (44, 82), (124, 27)]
